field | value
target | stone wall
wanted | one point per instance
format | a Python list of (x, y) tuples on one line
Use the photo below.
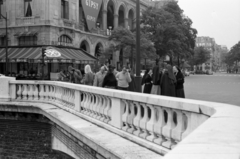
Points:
[(26, 139)]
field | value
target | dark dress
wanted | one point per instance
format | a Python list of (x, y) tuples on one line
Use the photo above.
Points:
[(132, 84), (167, 85), (110, 81), (179, 86), (148, 84)]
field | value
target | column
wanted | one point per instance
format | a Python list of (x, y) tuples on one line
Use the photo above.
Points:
[(126, 23), (115, 21), (104, 19)]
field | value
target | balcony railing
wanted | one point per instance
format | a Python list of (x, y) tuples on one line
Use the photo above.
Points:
[(183, 128), (27, 20)]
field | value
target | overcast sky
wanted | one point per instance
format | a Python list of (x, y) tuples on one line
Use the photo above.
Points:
[(219, 19)]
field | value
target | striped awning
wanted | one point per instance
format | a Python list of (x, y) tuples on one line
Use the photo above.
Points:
[(28, 33), (34, 54)]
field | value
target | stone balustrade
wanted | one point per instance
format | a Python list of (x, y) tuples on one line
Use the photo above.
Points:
[(182, 128), (151, 118)]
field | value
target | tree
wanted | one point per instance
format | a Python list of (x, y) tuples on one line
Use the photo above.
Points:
[(201, 55), (233, 55), (170, 31), (126, 40)]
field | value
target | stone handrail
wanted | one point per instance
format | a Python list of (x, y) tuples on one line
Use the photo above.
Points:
[(164, 121)]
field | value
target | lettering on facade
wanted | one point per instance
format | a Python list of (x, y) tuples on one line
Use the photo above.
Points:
[(91, 10)]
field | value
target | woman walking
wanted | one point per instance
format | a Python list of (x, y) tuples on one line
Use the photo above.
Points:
[(180, 81), (89, 76), (147, 81)]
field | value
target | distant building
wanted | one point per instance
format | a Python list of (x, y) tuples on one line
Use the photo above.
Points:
[(215, 50)]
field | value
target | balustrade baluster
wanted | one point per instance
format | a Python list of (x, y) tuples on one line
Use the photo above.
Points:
[(46, 92), (98, 106), (101, 111), (41, 93), (19, 91), (85, 103), (35, 92), (125, 116), (107, 111), (179, 129), (130, 118), (158, 126), (94, 106), (151, 123), (25, 91), (89, 106), (30, 92), (136, 120), (82, 102), (167, 129), (73, 99), (143, 122)]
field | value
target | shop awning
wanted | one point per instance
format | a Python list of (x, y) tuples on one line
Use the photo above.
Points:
[(28, 33), (34, 54)]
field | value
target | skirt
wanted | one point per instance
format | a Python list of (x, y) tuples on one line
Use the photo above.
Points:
[(156, 90), (180, 93)]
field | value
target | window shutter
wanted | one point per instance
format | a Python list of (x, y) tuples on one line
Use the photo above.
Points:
[(66, 10)]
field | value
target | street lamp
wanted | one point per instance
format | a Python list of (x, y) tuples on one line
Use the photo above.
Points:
[(138, 77), (6, 71)]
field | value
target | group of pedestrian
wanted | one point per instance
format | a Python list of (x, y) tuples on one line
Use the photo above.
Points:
[(165, 80), (107, 77)]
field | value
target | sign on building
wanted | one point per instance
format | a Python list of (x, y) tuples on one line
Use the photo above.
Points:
[(91, 10)]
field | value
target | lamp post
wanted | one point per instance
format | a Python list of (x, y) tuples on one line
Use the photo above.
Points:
[(138, 77), (6, 71)]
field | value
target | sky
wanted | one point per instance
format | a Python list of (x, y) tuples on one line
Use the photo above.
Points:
[(219, 19)]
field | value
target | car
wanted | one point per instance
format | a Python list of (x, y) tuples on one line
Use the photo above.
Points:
[(209, 72), (192, 72), (2, 75)]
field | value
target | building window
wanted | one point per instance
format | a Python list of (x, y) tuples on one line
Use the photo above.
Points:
[(27, 8), (64, 9), (3, 41), (27, 40), (65, 40), (1, 8)]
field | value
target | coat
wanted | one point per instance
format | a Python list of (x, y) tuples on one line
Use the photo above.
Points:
[(167, 85)]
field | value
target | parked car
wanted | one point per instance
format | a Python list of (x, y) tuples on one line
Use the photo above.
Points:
[(2, 75), (209, 72), (192, 72)]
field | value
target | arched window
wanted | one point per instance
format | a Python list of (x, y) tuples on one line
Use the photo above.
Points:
[(65, 40)]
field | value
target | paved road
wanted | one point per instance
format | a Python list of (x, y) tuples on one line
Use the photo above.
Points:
[(220, 87)]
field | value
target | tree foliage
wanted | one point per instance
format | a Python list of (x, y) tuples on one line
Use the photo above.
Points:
[(126, 40), (201, 55), (233, 55), (170, 31)]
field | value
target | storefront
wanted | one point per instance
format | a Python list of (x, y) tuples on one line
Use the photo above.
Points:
[(26, 62)]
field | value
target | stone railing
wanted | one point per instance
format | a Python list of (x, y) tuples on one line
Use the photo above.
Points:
[(163, 122), (182, 128), (27, 20)]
